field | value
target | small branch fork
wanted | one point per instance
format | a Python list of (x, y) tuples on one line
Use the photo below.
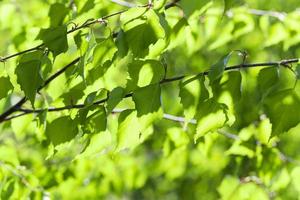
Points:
[(17, 107)]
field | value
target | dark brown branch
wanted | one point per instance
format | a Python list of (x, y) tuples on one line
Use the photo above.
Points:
[(168, 80)]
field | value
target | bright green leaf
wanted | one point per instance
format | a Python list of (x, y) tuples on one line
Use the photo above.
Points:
[(128, 130), (211, 116)]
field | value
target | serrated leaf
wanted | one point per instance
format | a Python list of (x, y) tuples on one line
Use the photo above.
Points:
[(115, 96), (55, 38), (5, 87), (62, 129), (28, 74), (128, 130), (57, 14), (282, 108), (147, 99), (211, 116), (267, 79), (192, 92)]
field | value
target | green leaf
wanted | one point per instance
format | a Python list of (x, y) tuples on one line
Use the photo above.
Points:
[(282, 108), (115, 97), (5, 87), (147, 99), (62, 129), (267, 79), (211, 116), (128, 130), (233, 85), (217, 70), (57, 14), (55, 38), (192, 92), (28, 74), (190, 6)]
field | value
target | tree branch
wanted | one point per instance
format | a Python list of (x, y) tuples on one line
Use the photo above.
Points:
[(76, 28), (14, 108), (167, 80)]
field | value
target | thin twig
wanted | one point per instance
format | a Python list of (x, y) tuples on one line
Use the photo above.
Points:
[(14, 108)]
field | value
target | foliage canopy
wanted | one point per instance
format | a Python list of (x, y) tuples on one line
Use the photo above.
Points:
[(182, 99)]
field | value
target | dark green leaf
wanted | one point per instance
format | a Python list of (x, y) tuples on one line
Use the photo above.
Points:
[(144, 31), (267, 79), (283, 110), (55, 38), (62, 129), (28, 74), (57, 14), (147, 99)]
